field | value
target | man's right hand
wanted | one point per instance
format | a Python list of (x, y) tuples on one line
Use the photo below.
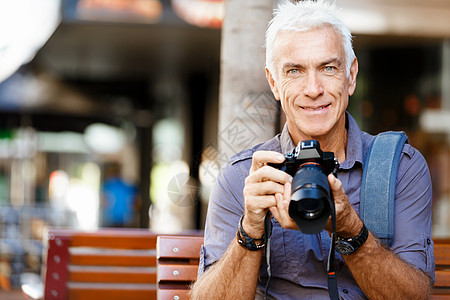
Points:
[(266, 188)]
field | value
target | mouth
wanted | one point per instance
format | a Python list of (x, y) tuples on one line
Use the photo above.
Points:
[(316, 108)]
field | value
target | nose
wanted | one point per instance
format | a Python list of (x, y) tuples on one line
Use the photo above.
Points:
[(313, 86)]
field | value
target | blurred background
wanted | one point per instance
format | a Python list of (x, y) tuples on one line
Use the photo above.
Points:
[(113, 112)]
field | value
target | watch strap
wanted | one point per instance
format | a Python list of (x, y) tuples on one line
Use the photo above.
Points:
[(248, 242), (357, 241)]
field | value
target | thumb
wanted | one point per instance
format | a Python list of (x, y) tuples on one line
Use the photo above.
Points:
[(336, 186)]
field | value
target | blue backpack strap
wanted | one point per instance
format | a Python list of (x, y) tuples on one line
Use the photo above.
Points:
[(378, 184)]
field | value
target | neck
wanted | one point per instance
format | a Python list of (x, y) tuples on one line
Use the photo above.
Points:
[(335, 142)]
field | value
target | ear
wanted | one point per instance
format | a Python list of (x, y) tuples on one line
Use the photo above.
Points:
[(352, 77), (272, 84)]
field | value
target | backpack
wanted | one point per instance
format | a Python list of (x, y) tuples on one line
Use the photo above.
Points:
[(378, 184)]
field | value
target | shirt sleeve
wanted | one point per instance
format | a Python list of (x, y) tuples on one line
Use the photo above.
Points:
[(226, 206), (412, 233)]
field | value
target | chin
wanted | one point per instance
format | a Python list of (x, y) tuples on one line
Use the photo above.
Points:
[(317, 131)]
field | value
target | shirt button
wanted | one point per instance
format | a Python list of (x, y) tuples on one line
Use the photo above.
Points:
[(428, 241), (345, 291)]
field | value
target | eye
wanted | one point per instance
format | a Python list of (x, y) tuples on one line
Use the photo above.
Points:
[(330, 70), (293, 71)]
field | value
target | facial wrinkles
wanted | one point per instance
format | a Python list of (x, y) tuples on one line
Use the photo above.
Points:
[(320, 109), (289, 97), (331, 88), (326, 88)]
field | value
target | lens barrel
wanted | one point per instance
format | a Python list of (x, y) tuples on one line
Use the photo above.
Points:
[(310, 204)]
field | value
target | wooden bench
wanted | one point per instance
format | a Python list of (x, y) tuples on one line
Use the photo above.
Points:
[(136, 264), (178, 259), (111, 264), (441, 288)]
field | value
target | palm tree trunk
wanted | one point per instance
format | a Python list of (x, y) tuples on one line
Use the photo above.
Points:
[(248, 113)]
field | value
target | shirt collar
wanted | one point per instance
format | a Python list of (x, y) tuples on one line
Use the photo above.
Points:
[(287, 145), (354, 154)]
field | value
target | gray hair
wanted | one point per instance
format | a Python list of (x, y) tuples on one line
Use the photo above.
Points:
[(303, 16)]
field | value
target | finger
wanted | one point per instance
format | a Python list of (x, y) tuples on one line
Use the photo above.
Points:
[(257, 204), (266, 173), (274, 209), (263, 188), (256, 209), (287, 193), (284, 207), (261, 158), (281, 211), (336, 187)]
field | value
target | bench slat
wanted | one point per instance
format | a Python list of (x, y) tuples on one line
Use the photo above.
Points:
[(441, 288), (442, 253), (173, 294), (178, 272), (179, 247), (442, 278), (104, 264), (109, 238), (122, 242), (108, 259), (178, 259), (86, 291), (112, 274)]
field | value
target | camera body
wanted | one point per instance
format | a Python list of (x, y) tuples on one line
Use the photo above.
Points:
[(311, 197)]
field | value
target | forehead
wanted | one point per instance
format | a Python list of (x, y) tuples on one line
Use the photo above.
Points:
[(312, 45)]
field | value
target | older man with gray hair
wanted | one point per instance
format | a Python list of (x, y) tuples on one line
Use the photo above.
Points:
[(312, 69)]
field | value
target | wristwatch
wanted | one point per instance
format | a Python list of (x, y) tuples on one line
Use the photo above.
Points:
[(348, 246), (246, 241)]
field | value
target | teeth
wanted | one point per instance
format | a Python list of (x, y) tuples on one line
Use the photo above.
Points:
[(318, 108)]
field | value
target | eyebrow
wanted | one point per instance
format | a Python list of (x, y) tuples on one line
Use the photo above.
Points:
[(292, 65), (332, 60), (336, 60)]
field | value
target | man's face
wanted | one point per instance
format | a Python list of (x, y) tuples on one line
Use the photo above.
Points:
[(311, 82)]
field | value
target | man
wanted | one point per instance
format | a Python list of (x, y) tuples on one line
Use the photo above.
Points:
[(311, 69)]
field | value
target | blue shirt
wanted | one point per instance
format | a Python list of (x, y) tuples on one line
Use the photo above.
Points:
[(119, 202), (298, 261)]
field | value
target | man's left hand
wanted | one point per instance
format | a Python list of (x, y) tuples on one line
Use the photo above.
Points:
[(281, 211), (348, 223)]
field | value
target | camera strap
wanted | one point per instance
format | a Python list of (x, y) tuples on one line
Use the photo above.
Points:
[(378, 184), (331, 272), (267, 235)]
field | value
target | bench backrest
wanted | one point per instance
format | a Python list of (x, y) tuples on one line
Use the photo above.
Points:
[(104, 264), (136, 264), (441, 288), (178, 259)]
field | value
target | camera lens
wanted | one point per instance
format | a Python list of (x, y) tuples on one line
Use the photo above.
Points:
[(309, 207), (310, 200)]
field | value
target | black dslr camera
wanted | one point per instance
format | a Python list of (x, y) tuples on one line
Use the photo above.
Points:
[(311, 198)]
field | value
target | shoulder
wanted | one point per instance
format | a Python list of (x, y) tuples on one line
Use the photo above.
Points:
[(238, 166), (271, 145), (411, 160), (366, 139), (406, 150)]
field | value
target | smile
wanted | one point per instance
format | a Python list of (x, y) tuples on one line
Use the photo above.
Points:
[(315, 108)]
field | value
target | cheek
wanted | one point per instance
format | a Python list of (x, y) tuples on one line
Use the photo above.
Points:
[(288, 89), (338, 89)]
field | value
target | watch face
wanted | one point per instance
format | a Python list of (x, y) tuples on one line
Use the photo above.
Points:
[(344, 248)]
